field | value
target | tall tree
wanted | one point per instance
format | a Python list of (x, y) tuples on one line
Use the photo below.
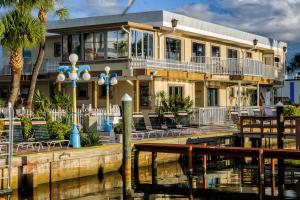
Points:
[(21, 30), (295, 62), (44, 6)]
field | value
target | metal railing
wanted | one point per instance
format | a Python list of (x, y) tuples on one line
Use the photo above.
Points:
[(48, 66), (211, 65), (210, 115)]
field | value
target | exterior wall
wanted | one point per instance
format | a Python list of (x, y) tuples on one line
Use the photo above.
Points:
[(286, 90)]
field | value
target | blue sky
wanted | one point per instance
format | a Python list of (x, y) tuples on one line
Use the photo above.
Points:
[(279, 19)]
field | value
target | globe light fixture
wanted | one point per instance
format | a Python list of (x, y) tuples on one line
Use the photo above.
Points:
[(101, 81), (61, 77), (113, 81), (107, 69), (86, 76), (73, 58), (74, 74)]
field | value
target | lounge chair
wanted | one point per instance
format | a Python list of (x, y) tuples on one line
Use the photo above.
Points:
[(140, 126), (41, 134), (178, 129), (18, 139), (184, 119)]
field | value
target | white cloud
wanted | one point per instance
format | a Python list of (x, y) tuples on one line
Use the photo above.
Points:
[(275, 18), (87, 8)]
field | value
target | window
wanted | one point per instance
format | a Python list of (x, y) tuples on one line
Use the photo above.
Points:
[(173, 49), (176, 91), (198, 53), (4, 92), (148, 45), (232, 53), (57, 49), (82, 91), (117, 44), (141, 44), (248, 55), (93, 46), (102, 93), (215, 51), (144, 95), (276, 59), (24, 92), (212, 97), (71, 44), (27, 58)]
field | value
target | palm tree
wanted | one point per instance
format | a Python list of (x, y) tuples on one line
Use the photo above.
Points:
[(21, 31), (44, 6)]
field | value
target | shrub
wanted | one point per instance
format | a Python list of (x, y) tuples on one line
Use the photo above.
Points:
[(91, 138), (26, 127), (291, 111), (59, 130), (118, 128)]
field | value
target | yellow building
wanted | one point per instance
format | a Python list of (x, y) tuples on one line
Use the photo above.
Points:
[(160, 51)]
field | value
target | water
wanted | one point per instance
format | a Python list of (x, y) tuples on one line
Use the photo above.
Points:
[(172, 182)]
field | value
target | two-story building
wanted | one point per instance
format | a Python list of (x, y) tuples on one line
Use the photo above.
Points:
[(159, 51)]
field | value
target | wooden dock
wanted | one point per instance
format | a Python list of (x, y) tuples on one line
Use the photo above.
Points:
[(203, 150)]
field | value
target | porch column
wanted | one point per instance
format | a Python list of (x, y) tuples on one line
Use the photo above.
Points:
[(58, 87), (257, 91), (137, 96), (204, 94), (95, 94), (239, 97)]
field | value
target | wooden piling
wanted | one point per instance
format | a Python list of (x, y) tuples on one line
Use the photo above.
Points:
[(261, 165), (297, 133), (127, 123), (280, 131), (190, 160), (154, 167)]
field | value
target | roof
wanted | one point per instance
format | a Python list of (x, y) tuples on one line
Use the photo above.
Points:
[(163, 19)]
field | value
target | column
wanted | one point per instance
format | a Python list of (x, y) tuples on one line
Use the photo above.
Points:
[(257, 89), (58, 87), (137, 96), (95, 94), (239, 97), (204, 94)]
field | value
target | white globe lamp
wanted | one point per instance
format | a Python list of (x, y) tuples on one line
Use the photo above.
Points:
[(113, 81), (73, 76), (61, 77), (86, 76), (73, 58), (101, 81), (107, 69)]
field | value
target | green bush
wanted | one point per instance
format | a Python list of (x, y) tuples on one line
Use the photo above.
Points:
[(291, 111), (59, 130), (91, 138), (118, 128), (26, 127)]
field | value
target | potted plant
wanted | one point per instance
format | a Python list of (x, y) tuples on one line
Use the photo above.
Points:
[(118, 129)]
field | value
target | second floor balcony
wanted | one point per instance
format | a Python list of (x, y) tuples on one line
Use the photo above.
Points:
[(212, 66)]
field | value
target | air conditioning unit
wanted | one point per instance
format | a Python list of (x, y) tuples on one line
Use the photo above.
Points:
[(127, 72)]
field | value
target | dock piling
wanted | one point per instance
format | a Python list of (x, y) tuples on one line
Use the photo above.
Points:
[(280, 131), (127, 122)]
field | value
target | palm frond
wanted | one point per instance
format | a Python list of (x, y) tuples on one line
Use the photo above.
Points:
[(62, 13)]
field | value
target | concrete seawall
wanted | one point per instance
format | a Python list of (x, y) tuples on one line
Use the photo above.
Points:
[(37, 168)]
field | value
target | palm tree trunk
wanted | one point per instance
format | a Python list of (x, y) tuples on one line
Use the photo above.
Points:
[(16, 63), (35, 73)]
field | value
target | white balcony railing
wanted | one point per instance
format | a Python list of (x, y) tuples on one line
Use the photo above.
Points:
[(47, 67), (213, 65)]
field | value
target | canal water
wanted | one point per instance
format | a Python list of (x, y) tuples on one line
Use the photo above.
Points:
[(172, 182)]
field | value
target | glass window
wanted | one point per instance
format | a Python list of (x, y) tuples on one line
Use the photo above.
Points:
[(144, 95), (117, 44), (232, 53), (176, 91), (65, 48), (248, 55), (27, 60), (71, 44), (82, 91), (173, 49), (141, 44), (215, 51), (198, 53), (89, 50), (4, 92), (57, 49), (148, 45), (102, 92), (212, 97), (99, 46)]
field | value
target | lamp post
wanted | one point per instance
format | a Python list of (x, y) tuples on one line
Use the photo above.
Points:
[(108, 80), (73, 73)]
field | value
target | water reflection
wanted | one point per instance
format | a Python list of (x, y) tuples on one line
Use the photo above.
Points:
[(171, 181)]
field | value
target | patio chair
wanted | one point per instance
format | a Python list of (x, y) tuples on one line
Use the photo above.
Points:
[(184, 119), (18, 139), (41, 134), (140, 126), (173, 128)]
